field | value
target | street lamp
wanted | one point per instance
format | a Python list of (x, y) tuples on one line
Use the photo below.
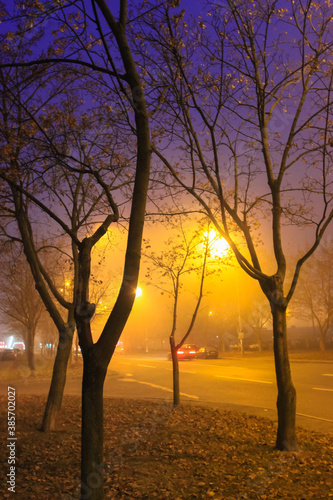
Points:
[(139, 293), (218, 246)]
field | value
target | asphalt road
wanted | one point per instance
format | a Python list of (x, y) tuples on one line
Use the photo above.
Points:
[(243, 384)]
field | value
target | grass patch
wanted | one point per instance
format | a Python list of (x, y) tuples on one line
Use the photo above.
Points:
[(312, 355), (18, 369)]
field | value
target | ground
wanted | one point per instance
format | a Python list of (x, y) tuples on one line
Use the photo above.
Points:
[(153, 451)]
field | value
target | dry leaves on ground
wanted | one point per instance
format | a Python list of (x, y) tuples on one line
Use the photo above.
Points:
[(153, 451)]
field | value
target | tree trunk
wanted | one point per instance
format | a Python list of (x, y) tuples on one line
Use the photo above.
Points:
[(286, 400), (31, 352), (259, 339), (322, 342), (56, 391), (92, 481), (76, 348), (175, 373)]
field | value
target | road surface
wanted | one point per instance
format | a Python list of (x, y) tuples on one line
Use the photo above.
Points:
[(243, 384)]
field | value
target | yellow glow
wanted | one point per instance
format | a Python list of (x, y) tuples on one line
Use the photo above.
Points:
[(138, 292), (67, 284), (218, 246)]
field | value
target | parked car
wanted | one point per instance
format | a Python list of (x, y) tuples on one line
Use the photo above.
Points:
[(119, 348), (19, 345), (8, 355), (253, 347), (187, 351), (207, 353)]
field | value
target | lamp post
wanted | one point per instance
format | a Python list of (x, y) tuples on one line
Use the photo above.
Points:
[(240, 333), (219, 248), (138, 294)]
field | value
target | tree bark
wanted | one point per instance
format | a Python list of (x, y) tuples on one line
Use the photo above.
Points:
[(92, 481), (31, 352), (259, 340), (175, 373), (286, 400), (97, 356), (322, 341), (56, 391)]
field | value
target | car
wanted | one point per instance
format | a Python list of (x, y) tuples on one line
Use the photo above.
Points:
[(8, 355), (187, 351), (119, 348), (253, 347), (207, 353), (19, 345)]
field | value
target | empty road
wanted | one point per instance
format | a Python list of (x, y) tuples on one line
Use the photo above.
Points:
[(246, 384)]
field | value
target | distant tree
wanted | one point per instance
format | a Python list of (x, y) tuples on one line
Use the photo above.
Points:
[(48, 335), (313, 300), (226, 324), (256, 317), (20, 302), (186, 254)]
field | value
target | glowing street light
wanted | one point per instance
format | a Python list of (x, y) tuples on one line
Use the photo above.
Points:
[(218, 246), (139, 293)]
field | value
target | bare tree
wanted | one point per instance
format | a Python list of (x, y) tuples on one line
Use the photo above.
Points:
[(257, 316), (186, 254), (313, 300), (20, 302), (108, 61), (246, 131), (21, 102)]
